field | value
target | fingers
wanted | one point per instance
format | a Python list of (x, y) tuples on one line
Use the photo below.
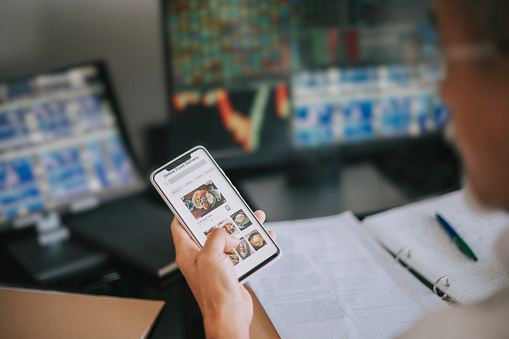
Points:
[(273, 235), (260, 215), (183, 242), (219, 242)]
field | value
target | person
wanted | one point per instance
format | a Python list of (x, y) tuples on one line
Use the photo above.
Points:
[(475, 42)]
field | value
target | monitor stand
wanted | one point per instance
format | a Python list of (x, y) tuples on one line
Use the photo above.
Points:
[(52, 255)]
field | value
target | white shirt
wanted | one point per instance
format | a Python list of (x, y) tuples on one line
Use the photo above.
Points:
[(488, 319)]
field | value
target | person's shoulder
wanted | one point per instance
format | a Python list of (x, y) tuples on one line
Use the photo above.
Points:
[(487, 319)]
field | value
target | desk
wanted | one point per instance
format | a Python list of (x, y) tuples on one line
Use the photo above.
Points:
[(361, 188)]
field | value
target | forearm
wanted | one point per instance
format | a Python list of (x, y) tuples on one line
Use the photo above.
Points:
[(225, 326)]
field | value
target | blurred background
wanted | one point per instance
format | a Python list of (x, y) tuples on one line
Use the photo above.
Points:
[(312, 107), (320, 62), (43, 35)]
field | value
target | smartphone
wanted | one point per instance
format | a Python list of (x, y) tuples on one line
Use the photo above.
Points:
[(202, 198)]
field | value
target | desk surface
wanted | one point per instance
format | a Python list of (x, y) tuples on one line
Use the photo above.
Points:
[(360, 188)]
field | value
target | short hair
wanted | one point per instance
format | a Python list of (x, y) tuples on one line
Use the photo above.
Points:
[(487, 21)]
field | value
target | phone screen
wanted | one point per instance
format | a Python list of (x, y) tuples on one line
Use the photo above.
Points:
[(204, 199)]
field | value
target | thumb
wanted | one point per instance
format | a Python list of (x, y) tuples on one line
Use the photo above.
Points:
[(219, 242)]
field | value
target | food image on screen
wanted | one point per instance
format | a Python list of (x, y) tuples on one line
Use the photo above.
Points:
[(256, 240), (205, 199), (241, 219), (228, 226), (233, 257), (207, 232), (243, 249)]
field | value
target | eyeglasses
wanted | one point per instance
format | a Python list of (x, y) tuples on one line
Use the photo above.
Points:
[(463, 53), (470, 52), (467, 52)]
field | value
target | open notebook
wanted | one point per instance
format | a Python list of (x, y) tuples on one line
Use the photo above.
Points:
[(339, 278), (413, 229)]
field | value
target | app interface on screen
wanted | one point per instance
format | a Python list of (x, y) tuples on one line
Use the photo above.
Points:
[(205, 200)]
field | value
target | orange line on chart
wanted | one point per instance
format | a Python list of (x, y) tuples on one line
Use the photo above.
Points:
[(246, 130)]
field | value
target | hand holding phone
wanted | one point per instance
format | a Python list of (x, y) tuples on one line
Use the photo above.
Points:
[(213, 281), (203, 199)]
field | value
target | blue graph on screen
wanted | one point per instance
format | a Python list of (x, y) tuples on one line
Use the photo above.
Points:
[(65, 174), (19, 192)]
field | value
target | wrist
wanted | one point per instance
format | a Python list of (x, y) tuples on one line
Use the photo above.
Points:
[(222, 325)]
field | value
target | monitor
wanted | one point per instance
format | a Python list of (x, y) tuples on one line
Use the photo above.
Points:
[(228, 65), (259, 81), (365, 104), (62, 145)]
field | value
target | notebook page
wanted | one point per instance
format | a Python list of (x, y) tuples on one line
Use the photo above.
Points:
[(434, 254), (328, 284)]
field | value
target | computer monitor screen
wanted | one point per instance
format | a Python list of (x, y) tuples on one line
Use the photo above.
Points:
[(345, 106), (228, 68), (262, 79), (62, 144)]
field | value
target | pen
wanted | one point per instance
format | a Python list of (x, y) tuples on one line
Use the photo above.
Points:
[(460, 243)]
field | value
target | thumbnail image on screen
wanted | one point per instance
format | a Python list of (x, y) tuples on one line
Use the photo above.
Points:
[(203, 199)]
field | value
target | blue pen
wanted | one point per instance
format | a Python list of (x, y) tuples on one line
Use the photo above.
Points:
[(460, 243)]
